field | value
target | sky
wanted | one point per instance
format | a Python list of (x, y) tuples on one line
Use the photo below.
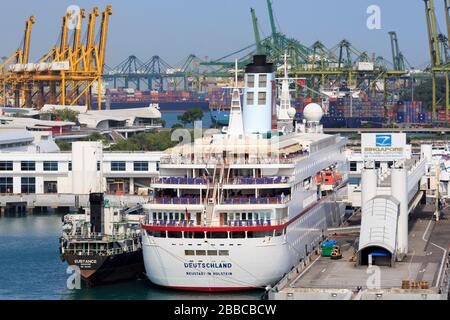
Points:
[(173, 29)]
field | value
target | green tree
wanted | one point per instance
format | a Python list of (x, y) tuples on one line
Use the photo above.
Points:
[(64, 145), (97, 136), (66, 114), (190, 116)]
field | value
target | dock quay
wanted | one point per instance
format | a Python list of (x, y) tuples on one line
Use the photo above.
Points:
[(19, 203), (423, 275)]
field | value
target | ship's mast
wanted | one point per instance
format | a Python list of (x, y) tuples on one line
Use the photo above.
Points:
[(285, 101), (236, 126)]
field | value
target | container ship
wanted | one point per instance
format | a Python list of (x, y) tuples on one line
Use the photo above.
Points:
[(168, 101), (239, 209), (341, 112), (103, 242)]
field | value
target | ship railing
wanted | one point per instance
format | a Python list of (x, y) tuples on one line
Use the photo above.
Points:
[(289, 159), (260, 200), (181, 180), (229, 223), (103, 237), (101, 252), (176, 200), (265, 180)]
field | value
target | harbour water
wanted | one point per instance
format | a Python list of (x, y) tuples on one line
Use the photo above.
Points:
[(171, 119), (30, 268)]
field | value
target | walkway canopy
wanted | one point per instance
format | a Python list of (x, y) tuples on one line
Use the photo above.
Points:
[(378, 237)]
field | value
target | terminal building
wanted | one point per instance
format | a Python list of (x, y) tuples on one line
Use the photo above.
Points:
[(84, 170)]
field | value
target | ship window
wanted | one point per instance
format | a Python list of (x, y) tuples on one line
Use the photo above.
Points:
[(251, 81), (250, 96), (117, 165), (390, 164), (261, 98), (353, 166), (244, 216), (140, 165), (200, 253), (223, 253), (177, 215), (189, 252), (237, 234), (259, 234), (6, 165), (70, 166), (217, 235), (278, 232), (194, 235), (170, 216), (377, 164), (154, 215), (212, 252), (159, 215), (98, 166), (175, 234), (262, 80), (157, 233), (50, 166), (28, 165)]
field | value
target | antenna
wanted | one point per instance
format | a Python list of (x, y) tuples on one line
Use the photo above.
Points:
[(235, 73)]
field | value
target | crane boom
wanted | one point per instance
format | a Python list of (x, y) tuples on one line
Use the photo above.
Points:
[(256, 31), (26, 43), (90, 36), (103, 37), (447, 19), (64, 36), (272, 21), (77, 35)]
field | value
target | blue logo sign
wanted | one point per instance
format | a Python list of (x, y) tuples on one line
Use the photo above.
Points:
[(383, 140)]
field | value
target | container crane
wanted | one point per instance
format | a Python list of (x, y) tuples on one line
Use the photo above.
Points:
[(397, 57), (256, 31), (101, 53)]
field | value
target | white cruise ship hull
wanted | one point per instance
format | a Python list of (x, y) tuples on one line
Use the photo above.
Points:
[(250, 263)]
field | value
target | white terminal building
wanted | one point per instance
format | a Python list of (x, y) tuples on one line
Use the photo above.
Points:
[(29, 165)]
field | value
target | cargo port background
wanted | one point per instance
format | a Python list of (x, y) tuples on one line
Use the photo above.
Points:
[(397, 64)]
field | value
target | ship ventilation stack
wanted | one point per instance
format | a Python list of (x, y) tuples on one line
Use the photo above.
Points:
[(96, 208), (259, 110)]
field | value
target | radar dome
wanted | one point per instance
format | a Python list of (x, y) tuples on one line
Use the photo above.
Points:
[(313, 112), (291, 112)]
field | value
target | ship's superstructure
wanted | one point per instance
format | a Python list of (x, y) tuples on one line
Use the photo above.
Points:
[(104, 242), (233, 212)]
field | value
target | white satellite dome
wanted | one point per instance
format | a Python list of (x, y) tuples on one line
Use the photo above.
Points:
[(313, 112), (291, 112)]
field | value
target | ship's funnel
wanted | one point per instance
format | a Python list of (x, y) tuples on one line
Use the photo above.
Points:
[(259, 103)]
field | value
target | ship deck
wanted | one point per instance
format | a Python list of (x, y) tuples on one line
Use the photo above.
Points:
[(428, 255)]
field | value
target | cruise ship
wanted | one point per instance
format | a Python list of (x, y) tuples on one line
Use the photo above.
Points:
[(237, 210)]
